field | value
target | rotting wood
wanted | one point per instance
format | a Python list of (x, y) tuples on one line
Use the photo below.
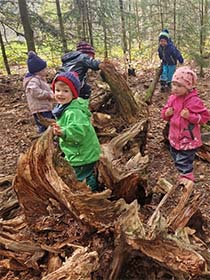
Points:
[(124, 175), (127, 105), (41, 191), (79, 266), (151, 89), (49, 196)]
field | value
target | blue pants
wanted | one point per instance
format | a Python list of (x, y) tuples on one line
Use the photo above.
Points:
[(183, 161), (87, 172), (167, 73), (41, 127)]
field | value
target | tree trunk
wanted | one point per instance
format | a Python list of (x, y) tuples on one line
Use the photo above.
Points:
[(60, 19), (124, 39), (174, 12), (28, 32), (4, 55), (138, 24), (121, 92), (89, 21)]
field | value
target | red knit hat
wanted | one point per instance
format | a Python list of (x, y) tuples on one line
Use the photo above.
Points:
[(71, 79), (185, 76), (85, 47)]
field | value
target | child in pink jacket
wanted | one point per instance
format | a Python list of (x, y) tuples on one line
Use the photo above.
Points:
[(185, 112)]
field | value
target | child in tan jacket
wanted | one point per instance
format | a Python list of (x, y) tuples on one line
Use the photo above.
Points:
[(38, 93)]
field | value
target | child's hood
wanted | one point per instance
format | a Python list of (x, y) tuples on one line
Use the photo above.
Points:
[(81, 104)]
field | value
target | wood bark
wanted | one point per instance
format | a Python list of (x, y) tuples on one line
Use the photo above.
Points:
[(121, 92), (151, 89), (51, 199), (60, 19), (4, 55), (28, 32)]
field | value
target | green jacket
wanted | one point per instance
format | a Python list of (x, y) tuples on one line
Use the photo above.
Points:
[(79, 142)]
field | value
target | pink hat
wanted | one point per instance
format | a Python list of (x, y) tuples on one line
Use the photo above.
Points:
[(185, 76)]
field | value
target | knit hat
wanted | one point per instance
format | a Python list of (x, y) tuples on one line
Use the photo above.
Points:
[(164, 35), (35, 63), (85, 47), (185, 76), (71, 79)]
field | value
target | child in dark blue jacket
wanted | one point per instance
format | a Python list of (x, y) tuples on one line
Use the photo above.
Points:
[(169, 55), (80, 61)]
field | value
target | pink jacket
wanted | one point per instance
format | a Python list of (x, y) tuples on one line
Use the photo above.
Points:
[(38, 94), (184, 134)]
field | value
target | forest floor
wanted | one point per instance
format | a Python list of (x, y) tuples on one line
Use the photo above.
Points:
[(17, 131)]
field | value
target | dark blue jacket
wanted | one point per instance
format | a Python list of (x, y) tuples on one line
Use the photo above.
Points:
[(170, 54), (80, 63)]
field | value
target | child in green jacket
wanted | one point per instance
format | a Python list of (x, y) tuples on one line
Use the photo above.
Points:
[(77, 137)]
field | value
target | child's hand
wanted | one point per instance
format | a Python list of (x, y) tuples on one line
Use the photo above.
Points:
[(57, 130), (185, 113), (169, 112)]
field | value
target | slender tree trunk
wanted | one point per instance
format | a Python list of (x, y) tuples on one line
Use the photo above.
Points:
[(138, 24), (28, 32), (175, 20), (124, 40), (4, 55), (63, 38), (202, 31), (105, 42), (161, 13), (81, 7), (78, 19), (103, 22), (129, 32), (89, 21)]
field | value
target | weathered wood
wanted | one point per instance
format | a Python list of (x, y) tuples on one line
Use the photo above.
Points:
[(42, 192), (119, 256), (80, 266), (6, 181), (46, 198), (124, 175), (8, 200), (172, 254), (151, 89), (166, 212), (127, 105), (171, 251)]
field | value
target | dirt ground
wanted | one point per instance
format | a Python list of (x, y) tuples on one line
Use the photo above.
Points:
[(17, 131)]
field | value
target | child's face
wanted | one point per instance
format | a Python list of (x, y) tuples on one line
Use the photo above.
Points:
[(179, 89), (43, 72), (163, 42), (63, 94)]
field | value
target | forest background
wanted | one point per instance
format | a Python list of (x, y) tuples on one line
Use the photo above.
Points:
[(126, 29)]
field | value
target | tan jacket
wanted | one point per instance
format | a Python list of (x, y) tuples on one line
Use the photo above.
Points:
[(38, 94)]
